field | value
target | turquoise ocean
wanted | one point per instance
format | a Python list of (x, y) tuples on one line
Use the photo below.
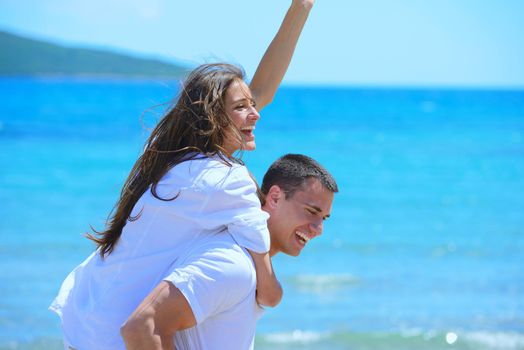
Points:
[(424, 249)]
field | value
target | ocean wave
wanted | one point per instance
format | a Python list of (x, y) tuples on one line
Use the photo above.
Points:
[(496, 340), (297, 336), (406, 339), (322, 283)]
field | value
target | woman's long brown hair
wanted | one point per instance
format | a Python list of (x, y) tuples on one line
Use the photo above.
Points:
[(195, 126)]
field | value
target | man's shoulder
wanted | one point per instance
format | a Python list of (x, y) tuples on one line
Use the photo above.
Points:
[(215, 275), (219, 256)]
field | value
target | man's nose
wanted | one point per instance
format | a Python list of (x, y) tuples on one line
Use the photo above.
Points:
[(316, 227)]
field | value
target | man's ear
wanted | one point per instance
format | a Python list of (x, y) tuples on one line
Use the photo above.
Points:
[(274, 195)]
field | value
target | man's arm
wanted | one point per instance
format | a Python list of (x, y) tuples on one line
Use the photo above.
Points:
[(275, 61), (155, 321)]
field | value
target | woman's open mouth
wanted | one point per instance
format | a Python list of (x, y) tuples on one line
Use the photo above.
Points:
[(247, 131)]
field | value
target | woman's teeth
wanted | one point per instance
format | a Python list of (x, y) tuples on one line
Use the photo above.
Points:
[(248, 130)]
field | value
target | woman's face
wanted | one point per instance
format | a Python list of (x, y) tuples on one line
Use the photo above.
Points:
[(241, 108)]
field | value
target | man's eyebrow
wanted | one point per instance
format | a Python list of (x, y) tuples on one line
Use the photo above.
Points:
[(317, 209)]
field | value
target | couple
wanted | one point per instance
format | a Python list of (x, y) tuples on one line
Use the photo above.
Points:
[(185, 259)]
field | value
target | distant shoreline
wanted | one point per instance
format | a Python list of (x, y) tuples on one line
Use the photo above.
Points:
[(22, 56)]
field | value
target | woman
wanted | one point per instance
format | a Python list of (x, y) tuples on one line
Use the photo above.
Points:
[(187, 183)]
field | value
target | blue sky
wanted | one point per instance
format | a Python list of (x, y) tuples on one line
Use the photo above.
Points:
[(375, 42)]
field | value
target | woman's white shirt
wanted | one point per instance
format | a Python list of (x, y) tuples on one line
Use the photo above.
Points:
[(211, 197)]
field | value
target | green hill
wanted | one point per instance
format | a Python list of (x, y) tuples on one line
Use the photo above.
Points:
[(21, 56)]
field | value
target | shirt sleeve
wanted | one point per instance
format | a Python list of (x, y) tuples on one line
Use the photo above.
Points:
[(232, 201)]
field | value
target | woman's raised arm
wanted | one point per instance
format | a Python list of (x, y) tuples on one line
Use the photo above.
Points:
[(275, 61)]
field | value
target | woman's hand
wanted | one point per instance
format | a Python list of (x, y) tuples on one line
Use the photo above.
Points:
[(307, 4)]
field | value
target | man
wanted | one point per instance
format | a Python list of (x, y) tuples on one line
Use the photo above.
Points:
[(208, 300)]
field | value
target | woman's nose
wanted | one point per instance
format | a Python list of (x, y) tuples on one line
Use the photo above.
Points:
[(253, 113)]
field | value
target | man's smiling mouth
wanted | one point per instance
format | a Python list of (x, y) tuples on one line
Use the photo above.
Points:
[(302, 237)]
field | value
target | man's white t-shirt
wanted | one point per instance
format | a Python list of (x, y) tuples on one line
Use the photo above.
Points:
[(211, 197), (218, 280)]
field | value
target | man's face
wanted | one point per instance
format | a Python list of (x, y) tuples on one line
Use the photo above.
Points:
[(295, 221)]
